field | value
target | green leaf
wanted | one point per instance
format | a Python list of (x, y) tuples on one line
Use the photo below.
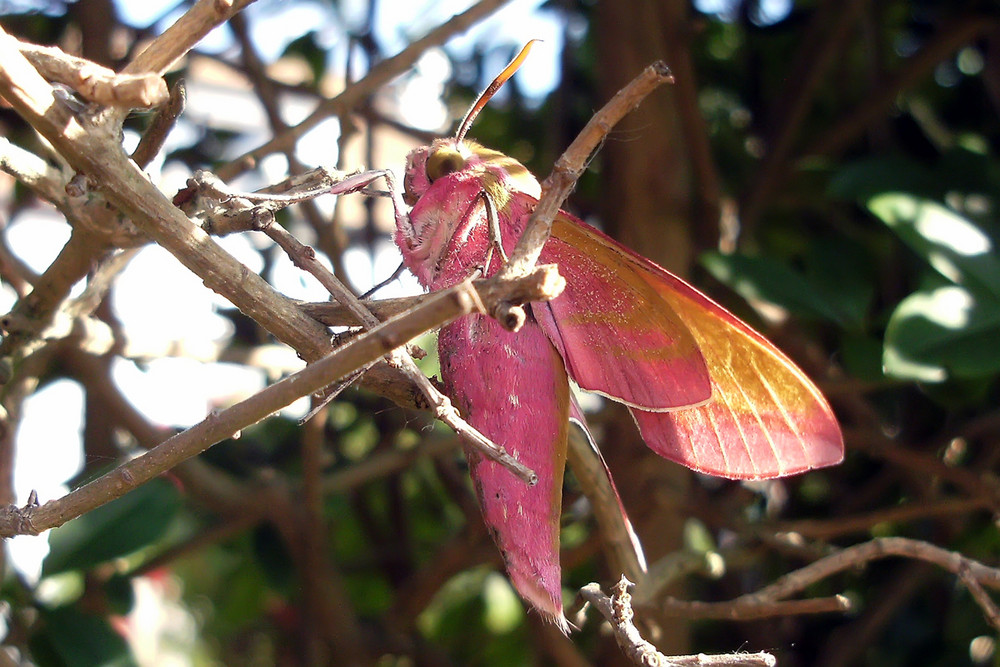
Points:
[(502, 609), (760, 278), (954, 246), (861, 355), (70, 638), (842, 275), (116, 529), (867, 179), (966, 171), (943, 332)]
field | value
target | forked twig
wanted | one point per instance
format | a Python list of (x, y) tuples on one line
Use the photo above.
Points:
[(92, 146), (769, 601), (617, 610), (304, 257)]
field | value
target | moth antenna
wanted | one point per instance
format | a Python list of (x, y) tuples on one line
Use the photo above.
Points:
[(491, 90)]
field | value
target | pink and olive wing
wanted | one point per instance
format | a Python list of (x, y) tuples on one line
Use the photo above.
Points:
[(514, 389), (613, 330), (765, 417)]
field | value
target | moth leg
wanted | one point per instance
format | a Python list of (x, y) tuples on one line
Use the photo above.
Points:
[(496, 242), (493, 220), (480, 271), (399, 208), (395, 274), (360, 181), (357, 183)]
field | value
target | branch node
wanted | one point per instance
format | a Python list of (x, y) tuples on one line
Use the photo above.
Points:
[(510, 316), (261, 218)]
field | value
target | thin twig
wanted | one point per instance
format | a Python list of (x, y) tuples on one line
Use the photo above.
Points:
[(985, 602), (542, 284), (748, 606), (747, 612), (236, 209), (26, 322), (571, 164), (827, 529), (304, 257), (181, 37), (565, 173), (206, 484), (267, 92), (617, 609), (156, 134), (93, 148), (45, 180)]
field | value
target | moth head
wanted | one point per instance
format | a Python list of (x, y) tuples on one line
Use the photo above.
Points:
[(428, 164), (442, 161)]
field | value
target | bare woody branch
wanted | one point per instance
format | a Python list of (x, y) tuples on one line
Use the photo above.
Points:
[(573, 161), (982, 598), (360, 351), (179, 38), (829, 529), (156, 134), (567, 171), (749, 611), (617, 610), (542, 284), (766, 601), (93, 148), (94, 82), (226, 211), (45, 180)]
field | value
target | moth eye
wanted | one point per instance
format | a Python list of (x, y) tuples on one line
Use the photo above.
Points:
[(443, 162)]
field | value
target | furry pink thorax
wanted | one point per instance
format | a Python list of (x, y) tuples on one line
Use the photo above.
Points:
[(446, 238)]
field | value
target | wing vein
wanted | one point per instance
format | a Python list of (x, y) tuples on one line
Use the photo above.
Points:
[(789, 420)]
